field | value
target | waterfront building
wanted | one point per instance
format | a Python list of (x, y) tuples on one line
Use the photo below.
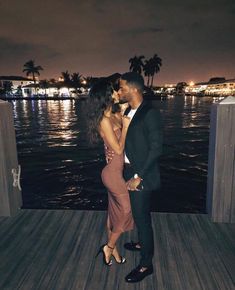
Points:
[(15, 83), (166, 89), (214, 87)]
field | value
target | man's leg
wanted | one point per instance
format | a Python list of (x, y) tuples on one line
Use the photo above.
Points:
[(140, 204)]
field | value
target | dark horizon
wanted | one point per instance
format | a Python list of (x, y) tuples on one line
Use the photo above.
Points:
[(97, 38)]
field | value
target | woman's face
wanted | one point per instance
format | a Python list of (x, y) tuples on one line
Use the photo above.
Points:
[(115, 96)]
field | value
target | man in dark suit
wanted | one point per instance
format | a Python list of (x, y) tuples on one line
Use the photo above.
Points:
[(142, 149)]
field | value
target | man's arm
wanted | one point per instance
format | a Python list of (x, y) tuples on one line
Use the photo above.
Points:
[(153, 129)]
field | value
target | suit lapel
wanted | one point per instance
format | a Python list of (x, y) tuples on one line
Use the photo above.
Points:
[(128, 136), (137, 112), (127, 111)]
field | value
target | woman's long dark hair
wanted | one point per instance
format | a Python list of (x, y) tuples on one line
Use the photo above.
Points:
[(100, 98)]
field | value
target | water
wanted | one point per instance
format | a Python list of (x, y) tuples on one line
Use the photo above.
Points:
[(59, 170)]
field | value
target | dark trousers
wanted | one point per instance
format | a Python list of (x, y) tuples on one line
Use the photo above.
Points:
[(141, 204)]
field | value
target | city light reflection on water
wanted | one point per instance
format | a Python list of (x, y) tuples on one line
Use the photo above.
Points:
[(59, 170)]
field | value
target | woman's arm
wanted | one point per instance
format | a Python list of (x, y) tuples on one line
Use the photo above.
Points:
[(106, 131)]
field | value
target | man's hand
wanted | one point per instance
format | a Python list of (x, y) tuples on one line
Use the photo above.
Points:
[(133, 183)]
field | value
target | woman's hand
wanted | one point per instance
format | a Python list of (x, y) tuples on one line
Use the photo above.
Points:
[(125, 122), (123, 107), (109, 154)]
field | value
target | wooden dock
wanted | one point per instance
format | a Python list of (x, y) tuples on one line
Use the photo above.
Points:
[(55, 249)]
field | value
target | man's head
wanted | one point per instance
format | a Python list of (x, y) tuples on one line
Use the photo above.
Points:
[(131, 87)]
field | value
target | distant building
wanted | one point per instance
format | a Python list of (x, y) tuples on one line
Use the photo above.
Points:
[(16, 81), (166, 89), (58, 89), (214, 87)]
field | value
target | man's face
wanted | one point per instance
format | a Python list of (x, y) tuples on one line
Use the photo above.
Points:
[(125, 92)]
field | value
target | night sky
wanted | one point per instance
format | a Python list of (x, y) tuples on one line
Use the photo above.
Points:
[(194, 38)]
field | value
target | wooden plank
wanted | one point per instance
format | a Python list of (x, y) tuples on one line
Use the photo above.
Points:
[(223, 239), (224, 163), (55, 249), (233, 190), (184, 267), (210, 260), (211, 159)]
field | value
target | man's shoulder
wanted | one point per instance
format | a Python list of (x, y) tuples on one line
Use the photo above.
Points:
[(148, 108)]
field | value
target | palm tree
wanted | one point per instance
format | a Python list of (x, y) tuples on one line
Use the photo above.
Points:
[(76, 81), (31, 69), (148, 70), (66, 78), (136, 63), (87, 81), (156, 63)]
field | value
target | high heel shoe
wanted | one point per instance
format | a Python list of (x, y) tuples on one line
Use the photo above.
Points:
[(122, 259), (101, 250)]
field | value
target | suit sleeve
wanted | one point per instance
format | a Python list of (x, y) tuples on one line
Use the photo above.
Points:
[(153, 129)]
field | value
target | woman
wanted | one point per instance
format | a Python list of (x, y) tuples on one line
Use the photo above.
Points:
[(111, 126)]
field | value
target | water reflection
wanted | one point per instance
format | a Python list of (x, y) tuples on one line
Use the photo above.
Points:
[(61, 171)]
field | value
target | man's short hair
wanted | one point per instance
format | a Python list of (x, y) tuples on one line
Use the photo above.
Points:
[(134, 79)]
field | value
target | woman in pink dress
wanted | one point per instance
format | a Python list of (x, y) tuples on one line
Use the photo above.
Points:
[(112, 128)]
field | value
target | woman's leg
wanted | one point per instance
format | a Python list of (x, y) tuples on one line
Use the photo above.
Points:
[(111, 244)]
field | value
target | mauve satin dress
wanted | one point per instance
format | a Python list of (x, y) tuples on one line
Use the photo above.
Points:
[(119, 209)]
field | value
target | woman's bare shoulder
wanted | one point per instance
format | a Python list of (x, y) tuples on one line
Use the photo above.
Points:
[(105, 121), (105, 125)]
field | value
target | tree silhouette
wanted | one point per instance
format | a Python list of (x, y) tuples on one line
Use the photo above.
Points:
[(76, 81), (148, 68), (66, 78), (156, 63), (136, 63), (88, 81), (31, 69)]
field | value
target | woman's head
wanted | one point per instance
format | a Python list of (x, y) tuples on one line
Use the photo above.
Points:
[(101, 94), (101, 99)]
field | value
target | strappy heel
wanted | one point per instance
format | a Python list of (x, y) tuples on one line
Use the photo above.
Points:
[(122, 259), (101, 250)]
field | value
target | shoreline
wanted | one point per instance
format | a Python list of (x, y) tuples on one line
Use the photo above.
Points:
[(41, 98), (85, 96)]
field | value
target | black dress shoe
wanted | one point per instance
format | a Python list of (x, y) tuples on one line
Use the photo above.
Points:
[(131, 246), (137, 275)]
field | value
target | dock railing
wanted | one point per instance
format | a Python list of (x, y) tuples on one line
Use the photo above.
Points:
[(221, 163), (10, 190)]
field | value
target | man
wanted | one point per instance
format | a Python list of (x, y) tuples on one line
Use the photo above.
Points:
[(142, 149)]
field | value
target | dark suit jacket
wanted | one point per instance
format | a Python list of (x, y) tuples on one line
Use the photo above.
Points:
[(144, 144)]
